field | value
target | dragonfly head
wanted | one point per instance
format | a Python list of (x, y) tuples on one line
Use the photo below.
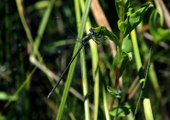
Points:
[(92, 32)]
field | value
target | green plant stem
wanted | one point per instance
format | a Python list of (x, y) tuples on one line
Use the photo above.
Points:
[(42, 27), (95, 70), (27, 30), (83, 68), (120, 46), (72, 67), (85, 85), (146, 101), (105, 102), (144, 83), (152, 71), (78, 13)]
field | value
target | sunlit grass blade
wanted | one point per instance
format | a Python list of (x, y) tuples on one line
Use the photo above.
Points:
[(72, 67), (140, 72), (147, 104)]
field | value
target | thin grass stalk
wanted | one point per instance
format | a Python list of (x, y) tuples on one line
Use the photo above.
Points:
[(27, 30), (78, 13), (72, 67), (95, 71), (20, 7), (105, 102), (85, 85), (85, 8), (40, 33), (83, 69), (152, 71), (42, 27), (146, 101), (143, 87), (29, 36)]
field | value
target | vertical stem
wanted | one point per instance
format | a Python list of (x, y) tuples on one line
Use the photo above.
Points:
[(85, 85), (120, 46), (146, 101), (143, 86), (72, 67), (95, 70)]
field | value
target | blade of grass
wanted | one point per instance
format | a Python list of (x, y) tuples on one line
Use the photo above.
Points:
[(40, 32), (105, 103), (149, 117), (42, 26), (72, 67), (95, 71), (152, 71), (27, 30), (84, 71), (44, 69), (146, 100)]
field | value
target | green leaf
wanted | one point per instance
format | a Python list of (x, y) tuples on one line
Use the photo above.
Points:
[(130, 6), (118, 7), (156, 29), (113, 92), (127, 45), (123, 110), (126, 55), (102, 30), (135, 18), (118, 4), (122, 25)]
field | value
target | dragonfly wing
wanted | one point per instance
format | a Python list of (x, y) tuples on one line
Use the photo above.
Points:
[(65, 30)]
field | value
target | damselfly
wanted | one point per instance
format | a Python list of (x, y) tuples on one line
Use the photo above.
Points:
[(96, 37)]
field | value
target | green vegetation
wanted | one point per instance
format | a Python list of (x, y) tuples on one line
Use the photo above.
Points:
[(125, 77)]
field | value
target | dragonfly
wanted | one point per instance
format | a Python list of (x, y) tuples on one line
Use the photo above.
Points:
[(96, 37)]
